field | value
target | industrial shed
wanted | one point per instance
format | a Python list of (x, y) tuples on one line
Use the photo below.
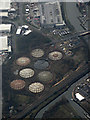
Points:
[(3, 14), (5, 27), (3, 43), (5, 4)]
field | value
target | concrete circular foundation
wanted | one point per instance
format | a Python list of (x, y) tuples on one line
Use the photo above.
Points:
[(23, 61), (26, 73), (17, 84), (45, 76), (55, 55), (41, 64), (37, 53), (36, 87)]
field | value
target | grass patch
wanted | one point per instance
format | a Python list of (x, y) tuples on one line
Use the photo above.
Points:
[(62, 109), (24, 43)]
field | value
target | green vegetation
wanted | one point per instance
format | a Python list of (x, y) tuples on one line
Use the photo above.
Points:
[(80, 55), (46, 102), (62, 109)]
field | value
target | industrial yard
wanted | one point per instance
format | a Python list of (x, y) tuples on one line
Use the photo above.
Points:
[(43, 62), (33, 72), (81, 94)]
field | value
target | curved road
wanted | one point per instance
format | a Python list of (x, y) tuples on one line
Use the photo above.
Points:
[(68, 94)]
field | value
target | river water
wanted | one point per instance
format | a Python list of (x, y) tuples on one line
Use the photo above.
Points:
[(73, 13)]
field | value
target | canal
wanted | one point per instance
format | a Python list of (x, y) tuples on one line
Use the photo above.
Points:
[(72, 14)]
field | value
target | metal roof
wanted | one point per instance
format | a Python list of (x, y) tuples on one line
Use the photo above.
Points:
[(5, 4), (5, 27), (18, 32), (3, 14), (52, 13), (3, 43), (79, 96), (27, 32)]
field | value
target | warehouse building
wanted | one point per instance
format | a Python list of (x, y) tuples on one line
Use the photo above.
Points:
[(3, 14), (5, 5), (79, 96), (4, 44), (50, 14), (6, 28)]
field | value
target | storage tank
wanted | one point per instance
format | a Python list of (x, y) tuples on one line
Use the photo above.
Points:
[(17, 84), (23, 61), (41, 64), (55, 55), (36, 87), (26, 73), (45, 76), (37, 53)]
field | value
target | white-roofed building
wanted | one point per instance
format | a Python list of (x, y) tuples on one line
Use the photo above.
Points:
[(11, 10), (27, 32), (3, 14), (5, 27), (9, 49), (4, 47), (79, 96), (81, 1), (5, 4), (18, 32), (3, 43), (25, 26), (50, 14)]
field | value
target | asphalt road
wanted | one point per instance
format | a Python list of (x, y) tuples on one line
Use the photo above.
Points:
[(67, 82), (68, 94), (14, 44), (75, 106)]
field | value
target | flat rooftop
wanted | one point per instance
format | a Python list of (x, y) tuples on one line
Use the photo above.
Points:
[(3, 43), (3, 14), (5, 27), (50, 13), (5, 4)]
